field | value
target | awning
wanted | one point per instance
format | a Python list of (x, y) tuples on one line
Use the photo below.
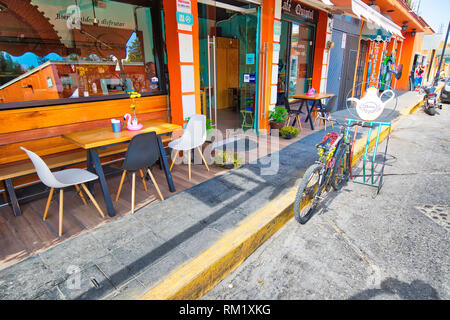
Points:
[(373, 33), (373, 18), (358, 9)]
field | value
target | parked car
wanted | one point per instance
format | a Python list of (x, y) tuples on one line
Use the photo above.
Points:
[(445, 92)]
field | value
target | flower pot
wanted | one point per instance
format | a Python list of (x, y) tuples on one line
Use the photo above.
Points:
[(288, 136), (276, 125)]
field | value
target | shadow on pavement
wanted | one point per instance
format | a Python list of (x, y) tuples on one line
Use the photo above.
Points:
[(416, 290)]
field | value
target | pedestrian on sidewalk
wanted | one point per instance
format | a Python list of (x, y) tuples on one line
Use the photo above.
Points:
[(418, 76)]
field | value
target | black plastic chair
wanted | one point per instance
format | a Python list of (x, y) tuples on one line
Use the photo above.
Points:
[(293, 112), (325, 111), (142, 153)]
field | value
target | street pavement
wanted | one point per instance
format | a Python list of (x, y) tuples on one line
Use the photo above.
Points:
[(360, 245)]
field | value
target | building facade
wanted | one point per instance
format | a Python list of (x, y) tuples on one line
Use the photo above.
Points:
[(218, 58)]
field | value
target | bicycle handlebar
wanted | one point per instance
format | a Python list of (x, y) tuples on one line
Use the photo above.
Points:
[(355, 123)]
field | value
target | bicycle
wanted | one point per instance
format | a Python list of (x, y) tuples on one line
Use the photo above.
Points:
[(333, 169)]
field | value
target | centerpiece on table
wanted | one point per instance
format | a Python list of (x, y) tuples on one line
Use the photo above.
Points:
[(132, 122)]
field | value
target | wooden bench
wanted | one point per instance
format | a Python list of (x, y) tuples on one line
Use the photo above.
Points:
[(40, 129)]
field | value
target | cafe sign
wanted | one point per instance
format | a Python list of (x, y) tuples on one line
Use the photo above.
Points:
[(298, 10)]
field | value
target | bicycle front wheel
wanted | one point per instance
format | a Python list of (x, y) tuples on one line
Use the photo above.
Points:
[(305, 200), (341, 170)]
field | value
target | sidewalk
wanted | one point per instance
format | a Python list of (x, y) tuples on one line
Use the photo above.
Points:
[(124, 259)]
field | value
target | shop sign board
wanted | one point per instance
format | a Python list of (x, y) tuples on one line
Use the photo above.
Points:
[(249, 77), (298, 10), (185, 19)]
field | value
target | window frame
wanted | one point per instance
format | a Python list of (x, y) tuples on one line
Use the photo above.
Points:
[(159, 52)]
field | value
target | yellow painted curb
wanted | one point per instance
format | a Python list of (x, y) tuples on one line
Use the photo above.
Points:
[(196, 277)]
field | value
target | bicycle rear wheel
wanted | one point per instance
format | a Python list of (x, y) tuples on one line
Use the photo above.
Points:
[(305, 200)]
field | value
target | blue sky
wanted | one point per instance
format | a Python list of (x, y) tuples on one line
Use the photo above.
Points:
[(435, 13)]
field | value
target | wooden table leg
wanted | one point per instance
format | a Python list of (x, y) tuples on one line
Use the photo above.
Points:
[(165, 165), (12, 197), (101, 177)]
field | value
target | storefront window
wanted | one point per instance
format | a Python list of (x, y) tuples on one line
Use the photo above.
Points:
[(295, 59), (295, 63), (300, 75), (71, 49)]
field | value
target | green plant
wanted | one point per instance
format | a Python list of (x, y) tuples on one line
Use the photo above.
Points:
[(226, 158), (289, 131), (209, 125), (278, 115)]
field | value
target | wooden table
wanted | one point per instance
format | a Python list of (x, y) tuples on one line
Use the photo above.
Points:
[(316, 99), (91, 140)]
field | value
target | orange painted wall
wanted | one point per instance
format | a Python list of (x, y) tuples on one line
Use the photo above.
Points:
[(267, 20), (410, 46), (321, 34), (173, 60)]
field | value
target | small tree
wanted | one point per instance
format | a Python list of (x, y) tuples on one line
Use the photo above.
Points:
[(134, 51)]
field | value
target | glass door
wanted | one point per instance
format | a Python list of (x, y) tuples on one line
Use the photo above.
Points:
[(207, 53), (300, 73), (228, 62)]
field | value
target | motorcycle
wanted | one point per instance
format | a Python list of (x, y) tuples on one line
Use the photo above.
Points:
[(431, 99)]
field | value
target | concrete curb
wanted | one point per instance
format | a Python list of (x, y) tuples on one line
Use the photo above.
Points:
[(196, 277)]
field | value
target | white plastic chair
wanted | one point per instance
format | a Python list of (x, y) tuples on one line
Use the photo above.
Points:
[(62, 179), (193, 137)]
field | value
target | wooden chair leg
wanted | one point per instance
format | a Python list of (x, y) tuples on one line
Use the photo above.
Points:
[(315, 119), (299, 123), (173, 161), (93, 200), (133, 188), (61, 205), (121, 183), (203, 158), (143, 180), (50, 195), (329, 117), (80, 193), (156, 185), (189, 164)]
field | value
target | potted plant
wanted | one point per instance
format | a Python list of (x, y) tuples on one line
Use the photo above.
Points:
[(277, 117), (289, 132), (227, 160)]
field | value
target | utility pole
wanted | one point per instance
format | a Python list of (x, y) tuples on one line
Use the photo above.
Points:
[(436, 78)]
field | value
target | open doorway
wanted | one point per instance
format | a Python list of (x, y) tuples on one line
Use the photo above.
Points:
[(228, 50)]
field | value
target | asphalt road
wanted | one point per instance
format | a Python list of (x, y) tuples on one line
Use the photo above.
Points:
[(360, 245)]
